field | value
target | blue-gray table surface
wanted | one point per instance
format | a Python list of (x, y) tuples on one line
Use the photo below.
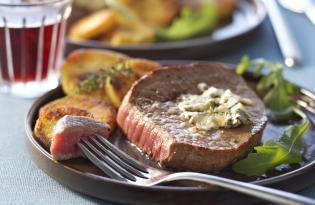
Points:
[(22, 182)]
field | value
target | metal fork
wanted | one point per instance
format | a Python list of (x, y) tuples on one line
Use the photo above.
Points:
[(306, 100), (118, 165)]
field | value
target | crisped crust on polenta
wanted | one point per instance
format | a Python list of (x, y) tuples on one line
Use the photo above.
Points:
[(77, 105), (154, 12), (81, 64), (93, 25)]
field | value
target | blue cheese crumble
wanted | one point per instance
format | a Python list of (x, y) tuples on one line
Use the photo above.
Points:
[(214, 108)]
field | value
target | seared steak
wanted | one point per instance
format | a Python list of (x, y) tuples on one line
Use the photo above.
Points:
[(63, 122), (151, 120), (69, 130)]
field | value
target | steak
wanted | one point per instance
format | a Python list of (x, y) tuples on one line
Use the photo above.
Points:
[(150, 118), (69, 130), (63, 122)]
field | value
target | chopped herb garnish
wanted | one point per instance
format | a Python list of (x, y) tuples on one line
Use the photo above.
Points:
[(280, 92), (90, 84), (287, 150), (97, 81)]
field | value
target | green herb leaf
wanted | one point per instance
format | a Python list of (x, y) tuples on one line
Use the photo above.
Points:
[(97, 81), (259, 65), (287, 150), (243, 66), (90, 84), (280, 92)]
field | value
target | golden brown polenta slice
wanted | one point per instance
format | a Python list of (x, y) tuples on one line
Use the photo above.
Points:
[(154, 12), (123, 36), (93, 25), (129, 31), (78, 105), (117, 86), (82, 64), (142, 66)]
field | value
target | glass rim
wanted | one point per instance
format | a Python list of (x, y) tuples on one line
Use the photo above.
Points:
[(40, 3)]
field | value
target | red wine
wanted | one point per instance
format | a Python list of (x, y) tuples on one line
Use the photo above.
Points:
[(32, 34), (31, 49)]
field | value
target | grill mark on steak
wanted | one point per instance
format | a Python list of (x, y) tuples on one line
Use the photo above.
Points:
[(165, 137)]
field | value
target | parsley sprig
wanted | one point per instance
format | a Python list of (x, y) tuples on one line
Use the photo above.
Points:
[(97, 81), (280, 92), (287, 150)]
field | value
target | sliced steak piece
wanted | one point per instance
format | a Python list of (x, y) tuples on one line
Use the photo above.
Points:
[(150, 118), (69, 130), (63, 122)]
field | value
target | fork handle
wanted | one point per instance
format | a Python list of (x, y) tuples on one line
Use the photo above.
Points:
[(268, 194)]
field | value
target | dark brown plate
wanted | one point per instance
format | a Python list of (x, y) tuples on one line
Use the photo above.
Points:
[(246, 19), (82, 176)]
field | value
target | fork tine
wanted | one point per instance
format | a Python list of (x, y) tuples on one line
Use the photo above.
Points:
[(309, 108), (104, 167), (308, 94), (306, 106), (117, 159), (106, 160), (122, 155)]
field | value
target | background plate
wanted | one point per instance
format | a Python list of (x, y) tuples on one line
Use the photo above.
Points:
[(246, 19), (82, 176)]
